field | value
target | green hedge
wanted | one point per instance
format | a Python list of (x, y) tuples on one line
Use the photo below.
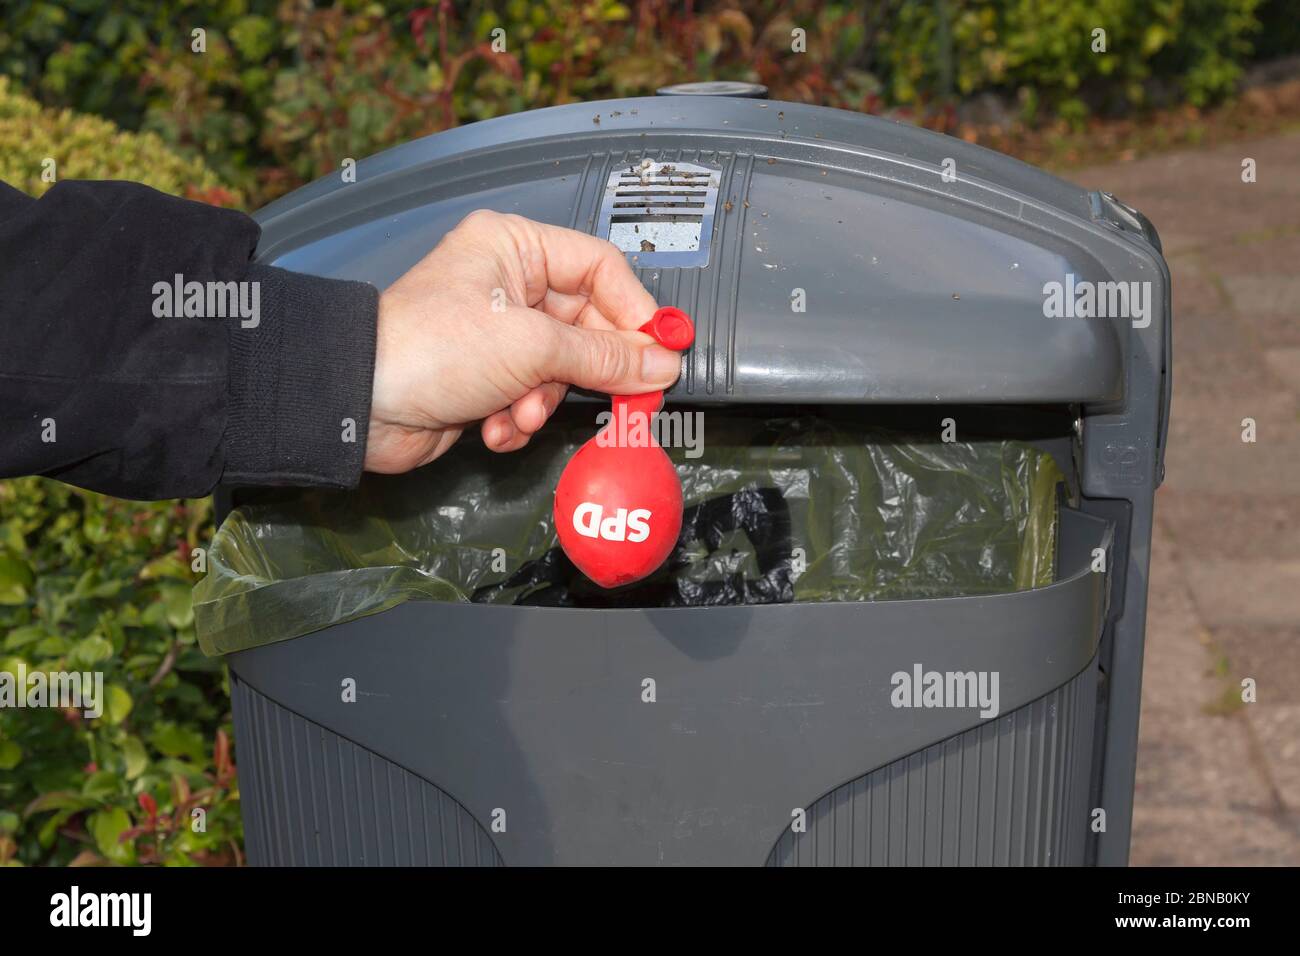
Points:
[(89, 583), (88, 147), (285, 91), (1045, 52)]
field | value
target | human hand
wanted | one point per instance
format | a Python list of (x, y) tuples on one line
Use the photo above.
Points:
[(494, 324)]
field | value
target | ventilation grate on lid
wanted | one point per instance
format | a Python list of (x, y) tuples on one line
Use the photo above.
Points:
[(661, 214)]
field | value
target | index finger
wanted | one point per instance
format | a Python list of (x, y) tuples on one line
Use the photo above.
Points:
[(575, 263)]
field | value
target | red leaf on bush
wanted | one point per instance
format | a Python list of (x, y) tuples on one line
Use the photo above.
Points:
[(221, 756), (420, 18), (148, 804), (212, 195)]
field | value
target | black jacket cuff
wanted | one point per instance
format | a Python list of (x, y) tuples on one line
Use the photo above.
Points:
[(300, 382)]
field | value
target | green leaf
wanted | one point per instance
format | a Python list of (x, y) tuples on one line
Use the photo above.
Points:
[(52, 646), (106, 826), (15, 578), (135, 756), (1154, 38), (167, 566), (178, 602), (155, 615), (89, 651), (101, 784), (107, 588), (49, 830), (86, 582), (20, 636), (57, 800), (12, 538), (10, 754), (174, 740), (118, 704), (253, 37)]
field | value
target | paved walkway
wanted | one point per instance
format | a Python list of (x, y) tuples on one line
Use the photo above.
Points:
[(1219, 780)]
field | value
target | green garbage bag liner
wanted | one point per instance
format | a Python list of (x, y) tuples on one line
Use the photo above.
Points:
[(776, 510)]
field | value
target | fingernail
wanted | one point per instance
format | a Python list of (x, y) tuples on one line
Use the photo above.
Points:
[(503, 432), (659, 364)]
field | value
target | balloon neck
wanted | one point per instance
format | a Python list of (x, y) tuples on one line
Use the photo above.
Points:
[(634, 414), (633, 419)]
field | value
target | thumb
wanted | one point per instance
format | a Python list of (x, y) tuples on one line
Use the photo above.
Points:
[(619, 363)]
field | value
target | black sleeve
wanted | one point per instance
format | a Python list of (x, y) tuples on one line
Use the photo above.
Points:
[(144, 356)]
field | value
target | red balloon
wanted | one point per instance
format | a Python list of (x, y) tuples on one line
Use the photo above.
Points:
[(618, 504)]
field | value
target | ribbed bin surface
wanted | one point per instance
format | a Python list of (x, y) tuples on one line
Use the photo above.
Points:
[(313, 798), (1011, 792)]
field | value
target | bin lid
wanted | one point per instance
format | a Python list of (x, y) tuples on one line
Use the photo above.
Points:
[(826, 256)]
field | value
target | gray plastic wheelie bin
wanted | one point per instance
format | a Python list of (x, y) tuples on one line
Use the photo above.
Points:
[(940, 281)]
